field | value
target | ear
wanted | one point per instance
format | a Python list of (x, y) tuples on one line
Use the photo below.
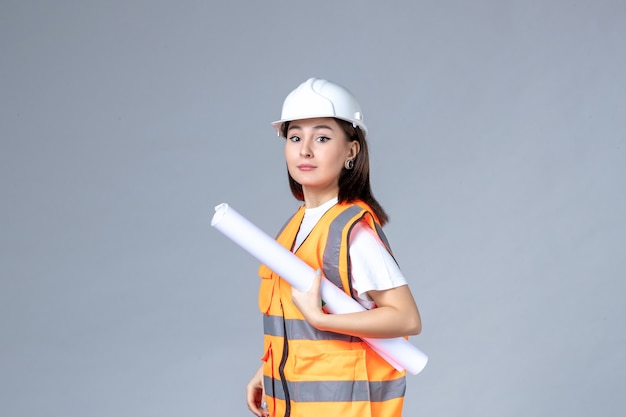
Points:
[(355, 148)]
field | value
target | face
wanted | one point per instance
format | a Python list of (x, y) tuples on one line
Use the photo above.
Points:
[(316, 151)]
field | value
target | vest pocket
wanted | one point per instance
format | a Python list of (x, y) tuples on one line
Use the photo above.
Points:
[(266, 290), (268, 378), (329, 365)]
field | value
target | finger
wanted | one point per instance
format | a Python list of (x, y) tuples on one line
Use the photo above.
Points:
[(264, 410), (318, 284), (253, 401), (317, 278), (253, 408)]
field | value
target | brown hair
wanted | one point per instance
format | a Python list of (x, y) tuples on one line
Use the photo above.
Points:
[(354, 184)]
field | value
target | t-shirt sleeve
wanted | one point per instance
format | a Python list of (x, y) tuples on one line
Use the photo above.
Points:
[(372, 266)]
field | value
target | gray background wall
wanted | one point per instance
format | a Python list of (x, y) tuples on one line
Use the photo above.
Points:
[(498, 147)]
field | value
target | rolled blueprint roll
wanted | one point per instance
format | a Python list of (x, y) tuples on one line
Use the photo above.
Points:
[(397, 351)]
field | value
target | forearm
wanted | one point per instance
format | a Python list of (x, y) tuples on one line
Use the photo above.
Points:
[(396, 314), (381, 322)]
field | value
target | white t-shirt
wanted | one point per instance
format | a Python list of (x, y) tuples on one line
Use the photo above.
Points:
[(373, 268)]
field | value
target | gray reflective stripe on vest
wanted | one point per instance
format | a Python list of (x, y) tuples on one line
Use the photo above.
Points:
[(383, 238), (300, 330), (336, 391), (381, 235), (387, 390), (333, 245)]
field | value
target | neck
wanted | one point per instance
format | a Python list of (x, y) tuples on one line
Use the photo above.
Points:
[(315, 198)]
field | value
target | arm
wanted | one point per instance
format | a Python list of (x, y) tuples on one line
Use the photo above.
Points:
[(396, 313)]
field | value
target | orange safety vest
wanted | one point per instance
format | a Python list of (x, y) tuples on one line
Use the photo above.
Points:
[(308, 372)]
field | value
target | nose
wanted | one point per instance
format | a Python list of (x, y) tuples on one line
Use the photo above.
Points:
[(305, 149)]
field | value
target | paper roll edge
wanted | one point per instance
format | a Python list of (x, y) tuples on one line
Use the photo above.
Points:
[(420, 367), (220, 212)]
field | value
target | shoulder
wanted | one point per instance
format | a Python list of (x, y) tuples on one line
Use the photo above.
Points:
[(363, 235), (357, 210)]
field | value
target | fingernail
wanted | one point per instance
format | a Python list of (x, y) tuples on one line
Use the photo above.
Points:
[(318, 272)]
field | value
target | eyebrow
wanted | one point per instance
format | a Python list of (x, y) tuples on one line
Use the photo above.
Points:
[(317, 127)]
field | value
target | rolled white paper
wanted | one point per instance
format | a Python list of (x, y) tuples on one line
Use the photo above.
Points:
[(397, 351)]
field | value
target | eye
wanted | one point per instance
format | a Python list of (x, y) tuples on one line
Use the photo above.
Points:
[(323, 139), (294, 139)]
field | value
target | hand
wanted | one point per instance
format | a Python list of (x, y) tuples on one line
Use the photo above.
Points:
[(255, 394), (310, 303)]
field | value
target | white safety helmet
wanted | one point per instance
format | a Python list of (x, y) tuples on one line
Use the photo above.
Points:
[(320, 98)]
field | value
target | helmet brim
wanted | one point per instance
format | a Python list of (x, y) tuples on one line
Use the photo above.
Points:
[(278, 124)]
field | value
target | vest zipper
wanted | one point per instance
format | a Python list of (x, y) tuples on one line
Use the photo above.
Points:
[(283, 359), (281, 369)]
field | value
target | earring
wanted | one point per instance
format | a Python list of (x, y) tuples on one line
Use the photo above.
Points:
[(349, 164)]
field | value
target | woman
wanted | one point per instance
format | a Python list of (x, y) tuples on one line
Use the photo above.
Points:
[(315, 364)]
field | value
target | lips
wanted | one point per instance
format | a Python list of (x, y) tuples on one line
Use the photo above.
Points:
[(306, 167)]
